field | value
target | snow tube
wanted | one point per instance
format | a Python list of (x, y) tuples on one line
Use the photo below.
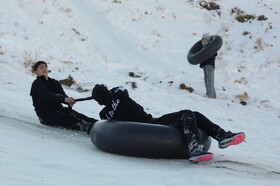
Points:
[(142, 139), (197, 54)]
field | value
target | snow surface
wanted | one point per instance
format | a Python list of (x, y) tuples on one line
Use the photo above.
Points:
[(102, 42)]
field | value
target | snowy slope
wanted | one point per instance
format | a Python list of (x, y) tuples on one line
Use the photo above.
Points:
[(101, 42)]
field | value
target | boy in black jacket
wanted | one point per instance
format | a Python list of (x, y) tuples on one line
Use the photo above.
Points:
[(119, 106), (48, 96)]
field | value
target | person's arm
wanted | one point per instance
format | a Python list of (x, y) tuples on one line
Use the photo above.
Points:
[(109, 111), (40, 89), (68, 100), (102, 114), (118, 94), (59, 88)]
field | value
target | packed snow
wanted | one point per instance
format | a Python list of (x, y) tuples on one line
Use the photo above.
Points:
[(143, 46)]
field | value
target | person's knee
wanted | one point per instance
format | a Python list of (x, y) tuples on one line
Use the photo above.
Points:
[(187, 114), (186, 111)]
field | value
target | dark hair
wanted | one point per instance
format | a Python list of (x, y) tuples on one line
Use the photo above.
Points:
[(101, 94), (37, 64)]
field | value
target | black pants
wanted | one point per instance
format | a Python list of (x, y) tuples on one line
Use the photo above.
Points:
[(67, 118), (189, 122)]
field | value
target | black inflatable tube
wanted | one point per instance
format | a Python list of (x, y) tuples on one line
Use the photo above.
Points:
[(196, 55), (142, 139)]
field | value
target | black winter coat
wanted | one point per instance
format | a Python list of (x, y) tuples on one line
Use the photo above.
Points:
[(209, 61), (123, 108), (47, 95)]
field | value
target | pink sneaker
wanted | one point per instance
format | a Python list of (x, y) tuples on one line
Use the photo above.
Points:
[(200, 156), (231, 139)]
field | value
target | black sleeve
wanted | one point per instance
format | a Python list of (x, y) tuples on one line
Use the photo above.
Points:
[(118, 94), (109, 111), (40, 89), (103, 113), (60, 89)]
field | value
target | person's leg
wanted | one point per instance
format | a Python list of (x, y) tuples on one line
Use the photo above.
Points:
[(196, 119), (82, 122), (207, 125), (85, 122), (205, 79), (186, 121), (209, 81), (65, 118), (58, 118), (82, 116), (224, 138)]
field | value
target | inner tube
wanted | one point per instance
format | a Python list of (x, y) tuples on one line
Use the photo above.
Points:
[(142, 139), (197, 54)]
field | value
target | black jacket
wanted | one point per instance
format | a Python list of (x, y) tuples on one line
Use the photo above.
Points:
[(209, 61), (123, 108), (47, 95)]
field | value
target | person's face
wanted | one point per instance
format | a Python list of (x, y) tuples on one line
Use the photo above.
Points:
[(42, 70), (204, 40)]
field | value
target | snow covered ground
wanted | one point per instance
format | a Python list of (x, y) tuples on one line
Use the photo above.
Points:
[(104, 41)]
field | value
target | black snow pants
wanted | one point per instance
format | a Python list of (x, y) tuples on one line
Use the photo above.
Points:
[(189, 122), (67, 118)]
